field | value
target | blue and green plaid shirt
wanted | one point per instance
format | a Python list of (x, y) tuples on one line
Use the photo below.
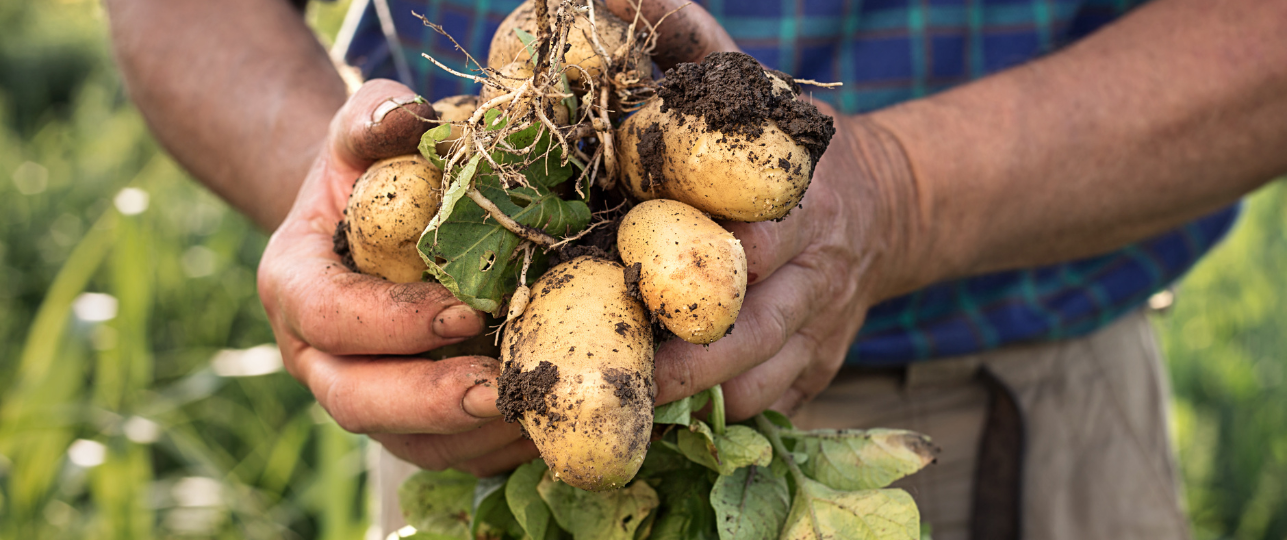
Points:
[(885, 52)]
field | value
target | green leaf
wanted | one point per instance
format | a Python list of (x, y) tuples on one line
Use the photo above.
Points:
[(545, 169), (529, 43), (857, 459), (751, 503), (778, 419), (608, 515), (738, 447), (491, 515), (820, 512), (525, 503), (685, 512), (438, 502), (429, 144), (675, 412)]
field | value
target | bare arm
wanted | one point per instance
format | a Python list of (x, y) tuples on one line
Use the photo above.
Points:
[(1175, 111), (239, 91)]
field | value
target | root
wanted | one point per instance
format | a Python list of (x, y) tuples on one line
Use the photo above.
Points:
[(531, 234)]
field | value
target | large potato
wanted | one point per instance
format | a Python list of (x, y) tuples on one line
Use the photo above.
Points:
[(391, 205), (692, 272), (578, 374), (726, 175), (506, 47), (453, 109)]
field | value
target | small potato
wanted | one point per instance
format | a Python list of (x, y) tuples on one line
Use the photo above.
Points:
[(453, 109), (391, 205), (506, 47), (578, 374), (728, 176), (692, 272)]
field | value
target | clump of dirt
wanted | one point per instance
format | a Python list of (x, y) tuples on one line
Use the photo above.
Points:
[(732, 94), (652, 152), (623, 386), (521, 391), (632, 281), (340, 245)]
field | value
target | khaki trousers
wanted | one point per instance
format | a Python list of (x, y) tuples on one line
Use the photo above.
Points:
[(1098, 457), (1098, 460)]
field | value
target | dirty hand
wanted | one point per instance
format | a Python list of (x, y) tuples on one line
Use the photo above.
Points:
[(343, 334)]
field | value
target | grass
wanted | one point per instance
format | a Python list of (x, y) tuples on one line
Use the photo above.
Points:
[(177, 450)]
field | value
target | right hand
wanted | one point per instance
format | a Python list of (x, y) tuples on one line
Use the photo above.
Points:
[(342, 334)]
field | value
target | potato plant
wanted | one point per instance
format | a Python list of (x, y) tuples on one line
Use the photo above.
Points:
[(577, 198)]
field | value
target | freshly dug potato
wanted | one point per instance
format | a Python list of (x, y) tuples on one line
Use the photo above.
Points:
[(692, 272), (578, 374), (453, 109), (726, 138), (506, 47), (390, 206)]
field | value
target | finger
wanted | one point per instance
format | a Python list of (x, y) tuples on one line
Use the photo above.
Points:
[(505, 459), (438, 452), (345, 313), (775, 383), (383, 119), (687, 35), (774, 310), (401, 395), (768, 245)]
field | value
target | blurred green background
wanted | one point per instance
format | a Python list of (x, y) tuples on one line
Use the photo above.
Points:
[(140, 396)]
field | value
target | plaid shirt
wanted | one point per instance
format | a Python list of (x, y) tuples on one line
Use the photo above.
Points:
[(885, 52)]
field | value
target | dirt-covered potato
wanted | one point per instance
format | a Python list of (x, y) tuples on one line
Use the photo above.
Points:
[(578, 374), (726, 138), (453, 109), (692, 272), (390, 206), (506, 47)]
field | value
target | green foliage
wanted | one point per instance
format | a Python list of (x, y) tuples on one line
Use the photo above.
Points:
[(718, 485)]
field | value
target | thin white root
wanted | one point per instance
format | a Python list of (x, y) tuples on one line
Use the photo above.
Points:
[(812, 82)]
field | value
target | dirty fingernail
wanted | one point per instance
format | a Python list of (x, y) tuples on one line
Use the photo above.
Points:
[(457, 321), (387, 106), (480, 401)]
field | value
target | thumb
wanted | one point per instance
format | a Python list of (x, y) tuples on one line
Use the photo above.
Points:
[(686, 35), (383, 119)]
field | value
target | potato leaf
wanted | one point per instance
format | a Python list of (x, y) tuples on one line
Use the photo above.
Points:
[(738, 447), (820, 512), (429, 144), (438, 502), (861, 459), (685, 512), (526, 504), (675, 412), (491, 515), (608, 515), (751, 503)]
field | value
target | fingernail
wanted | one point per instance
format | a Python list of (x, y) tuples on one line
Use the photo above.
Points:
[(387, 106), (480, 401), (457, 322)]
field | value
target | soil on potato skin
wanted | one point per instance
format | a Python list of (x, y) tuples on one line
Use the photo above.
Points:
[(522, 391), (633, 273), (652, 154), (730, 91), (340, 245)]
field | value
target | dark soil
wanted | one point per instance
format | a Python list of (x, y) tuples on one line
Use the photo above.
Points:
[(632, 281), (340, 245), (732, 94), (622, 382), (652, 152), (522, 391)]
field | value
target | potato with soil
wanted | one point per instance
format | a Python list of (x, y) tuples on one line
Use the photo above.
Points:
[(453, 109), (725, 137), (578, 374), (390, 206), (692, 272), (507, 48)]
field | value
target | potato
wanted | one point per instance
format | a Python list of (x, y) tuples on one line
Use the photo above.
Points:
[(692, 272), (453, 109), (578, 374), (727, 175), (506, 47), (391, 205)]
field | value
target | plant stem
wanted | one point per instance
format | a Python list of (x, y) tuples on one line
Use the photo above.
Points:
[(529, 233), (774, 433), (717, 409)]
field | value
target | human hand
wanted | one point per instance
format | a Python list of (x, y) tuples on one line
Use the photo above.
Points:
[(345, 335)]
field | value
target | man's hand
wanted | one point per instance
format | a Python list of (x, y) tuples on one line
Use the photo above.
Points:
[(339, 331)]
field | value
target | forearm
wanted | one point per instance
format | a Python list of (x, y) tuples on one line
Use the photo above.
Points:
[(1173, 112), (239, 91)]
